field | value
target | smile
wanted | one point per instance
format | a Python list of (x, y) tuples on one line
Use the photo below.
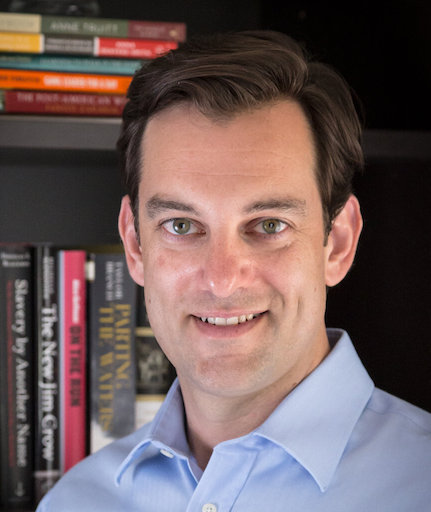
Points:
[(233, 320)]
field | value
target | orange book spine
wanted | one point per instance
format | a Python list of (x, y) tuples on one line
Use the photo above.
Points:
[(74, 82)]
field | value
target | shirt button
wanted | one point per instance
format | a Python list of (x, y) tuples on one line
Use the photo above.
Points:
[(209, 507), (167, 453)]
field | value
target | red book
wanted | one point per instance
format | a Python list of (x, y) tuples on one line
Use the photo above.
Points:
[(62, 103), (132, 48), (72, 301)]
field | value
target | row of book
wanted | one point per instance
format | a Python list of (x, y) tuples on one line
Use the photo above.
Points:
[(75, 65), (79, 365)]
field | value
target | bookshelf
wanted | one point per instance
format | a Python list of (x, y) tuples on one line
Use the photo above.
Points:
[(59, 176), (70, 133), (65, 169)]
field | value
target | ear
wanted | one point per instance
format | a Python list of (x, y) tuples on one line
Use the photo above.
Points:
[(343, 241), (132, 248)]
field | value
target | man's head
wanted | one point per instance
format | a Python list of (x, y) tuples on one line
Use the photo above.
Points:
[(234, 247), (223, 75)]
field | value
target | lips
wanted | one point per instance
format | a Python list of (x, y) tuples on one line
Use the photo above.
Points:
[(233, 320)]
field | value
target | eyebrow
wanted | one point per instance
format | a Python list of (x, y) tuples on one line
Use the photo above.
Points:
[(298, 206), (157, 205)]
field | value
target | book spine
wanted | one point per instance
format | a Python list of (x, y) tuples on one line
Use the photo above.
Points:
[(112, 316), (20, 22), (107, 27), (75, 64), (85, 45), (47, 433), (132, 48), (169, 31), (16, 377), (41, 102), (21, 42), (72, 25), (72, 301), (72, 82), (155, 373), (69, 44)]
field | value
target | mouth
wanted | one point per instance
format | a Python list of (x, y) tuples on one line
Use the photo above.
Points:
[(229, 321)]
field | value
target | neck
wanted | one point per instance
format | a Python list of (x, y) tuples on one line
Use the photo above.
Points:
[(212, 420)]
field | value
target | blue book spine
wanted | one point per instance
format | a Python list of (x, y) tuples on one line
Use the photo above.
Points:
[(72, 64)]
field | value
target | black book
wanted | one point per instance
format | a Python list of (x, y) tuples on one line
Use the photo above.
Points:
[(47, 431), (16, 376)]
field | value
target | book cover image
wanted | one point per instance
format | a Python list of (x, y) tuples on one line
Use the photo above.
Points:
[(154, 372), (16, 376), (112, 316)]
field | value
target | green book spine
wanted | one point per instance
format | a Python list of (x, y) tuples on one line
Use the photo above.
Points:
[(84, 26)]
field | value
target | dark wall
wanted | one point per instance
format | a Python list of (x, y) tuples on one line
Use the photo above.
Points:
[(385, 302), (382, 48)]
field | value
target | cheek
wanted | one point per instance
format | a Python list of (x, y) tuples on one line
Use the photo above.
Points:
[(167, 271), (296, 270)]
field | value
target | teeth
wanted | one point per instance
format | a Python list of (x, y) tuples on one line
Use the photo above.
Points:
[(233, 320)]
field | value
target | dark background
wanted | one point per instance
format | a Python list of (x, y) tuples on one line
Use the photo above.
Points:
[(383, 50)]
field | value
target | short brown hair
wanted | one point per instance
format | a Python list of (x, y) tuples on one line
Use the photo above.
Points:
[(226, 74)]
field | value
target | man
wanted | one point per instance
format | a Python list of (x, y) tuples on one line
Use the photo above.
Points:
[(238, 155)]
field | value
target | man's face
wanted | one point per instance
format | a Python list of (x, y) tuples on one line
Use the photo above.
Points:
[(232, 243)]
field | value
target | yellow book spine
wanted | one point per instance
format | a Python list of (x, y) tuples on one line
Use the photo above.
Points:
[(20, 42), (20, 22)]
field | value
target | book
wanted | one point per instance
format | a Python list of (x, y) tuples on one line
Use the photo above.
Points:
[(18, 42), (72, 336), (47, 468), (155, 373), (71, 82), (112, 320), (70, 63), (61, 103), (75, 25), (16, 376)]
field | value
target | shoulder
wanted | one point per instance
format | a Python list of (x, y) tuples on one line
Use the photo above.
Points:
[(396, 431), (403, 415)]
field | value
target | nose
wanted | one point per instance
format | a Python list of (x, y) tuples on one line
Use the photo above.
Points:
[(227, 266)]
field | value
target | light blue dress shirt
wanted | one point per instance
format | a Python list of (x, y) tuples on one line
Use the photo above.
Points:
[(335, 444)]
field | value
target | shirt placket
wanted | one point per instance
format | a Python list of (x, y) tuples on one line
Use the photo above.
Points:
[(222, 481)]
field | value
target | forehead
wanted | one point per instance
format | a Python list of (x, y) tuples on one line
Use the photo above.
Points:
[(181, 135), (268, 151)]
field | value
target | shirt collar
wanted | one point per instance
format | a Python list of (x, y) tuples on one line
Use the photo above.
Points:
[(307, 424), (315, 421), (166, 431)]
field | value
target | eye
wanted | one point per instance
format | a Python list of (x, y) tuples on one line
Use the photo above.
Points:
[(180, 226), (271, 226)]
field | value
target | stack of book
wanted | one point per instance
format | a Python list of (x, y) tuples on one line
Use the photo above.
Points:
[(73, 65), (69, 363)]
